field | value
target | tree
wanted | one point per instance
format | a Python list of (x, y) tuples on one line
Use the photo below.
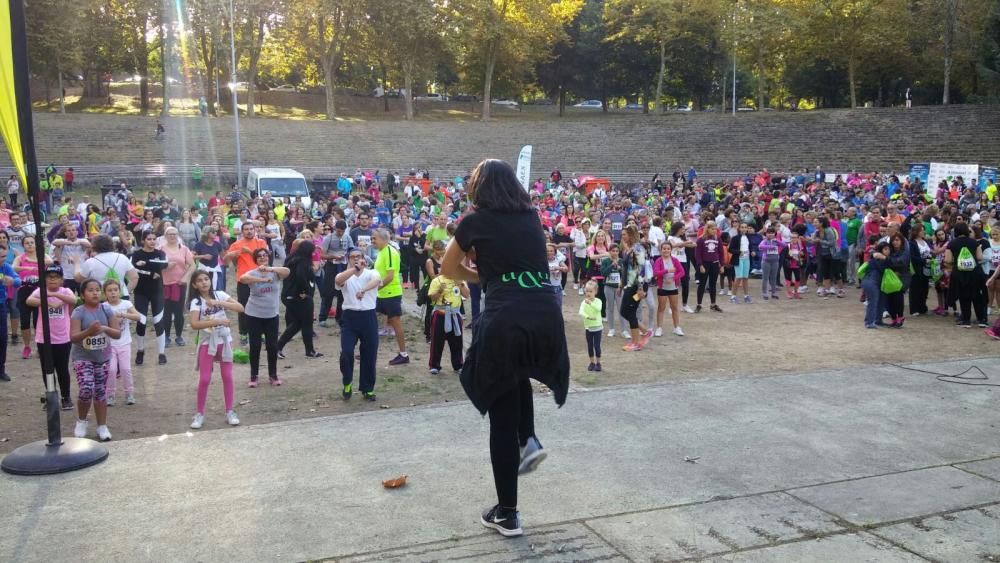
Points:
[(53, 29), (406, 33), (509, 33), (648, 22)]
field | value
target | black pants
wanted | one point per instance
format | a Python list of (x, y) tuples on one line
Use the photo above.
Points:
[(604, 302), (579, 269), (29, 315), (60, 361), (966, 286), (894, 304), (708, 279), (298, 317), (512, 422), (406, 260), (416, 267), (359, 327), (438, 339), (329, 292), (919, 289), (685, 283), (630, 307), (173, 314), (269, 329), (243, 295), (142, 303), (593, 343)]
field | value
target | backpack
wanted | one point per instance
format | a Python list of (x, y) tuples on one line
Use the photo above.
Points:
[(111, 274), (966, 261)]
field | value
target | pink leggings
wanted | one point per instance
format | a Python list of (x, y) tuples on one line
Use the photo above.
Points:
[(205, 377), (121, 367)]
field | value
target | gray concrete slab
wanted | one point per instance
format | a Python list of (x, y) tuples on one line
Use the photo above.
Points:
[(856, 548), (968, 535), (713, 528), (902, 495), (989, 468), (569, 542), (311, 489)]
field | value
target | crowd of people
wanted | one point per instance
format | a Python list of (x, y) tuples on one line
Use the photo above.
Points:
[(632, 253)]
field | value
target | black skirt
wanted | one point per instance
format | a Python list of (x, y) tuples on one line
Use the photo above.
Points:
[(519, 335)]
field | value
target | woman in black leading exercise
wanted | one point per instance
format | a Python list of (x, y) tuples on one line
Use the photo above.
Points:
[(505, 240), (297, 294)]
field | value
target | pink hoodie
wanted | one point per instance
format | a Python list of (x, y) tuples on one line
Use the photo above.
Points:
[(659, 270)]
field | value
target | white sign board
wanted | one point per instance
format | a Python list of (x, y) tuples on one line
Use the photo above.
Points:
[(943, 171), (524, 167)]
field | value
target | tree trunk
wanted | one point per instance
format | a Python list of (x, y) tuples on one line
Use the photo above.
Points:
[(165, 51), (562, 100), (850, 80), (330, 80), (725, 81), (657, 103), (62, 91), (491, 60), (254, 60), (950, 12), (48, 92), (408, 84), (385, 88)]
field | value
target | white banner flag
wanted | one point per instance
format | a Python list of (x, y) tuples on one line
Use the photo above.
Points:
[(524, 167), (943, 171)]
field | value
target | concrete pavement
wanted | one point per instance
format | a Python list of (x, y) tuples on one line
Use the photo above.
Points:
[(878, 464)]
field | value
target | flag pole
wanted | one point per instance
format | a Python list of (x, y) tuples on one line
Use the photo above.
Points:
[(57, 454)]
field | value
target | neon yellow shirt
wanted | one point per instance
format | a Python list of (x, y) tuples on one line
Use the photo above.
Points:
[(388, 259)]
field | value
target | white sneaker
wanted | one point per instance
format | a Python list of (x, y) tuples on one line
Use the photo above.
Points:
[(103, 433), (576, 286), (687, 309), (611, 333), (678, 331), (820, 291), (111, 401), (658, 332), (81, 429), (803, 288), (232, 419), (130, 400), (627, 335), (199, 420), (579, 291)]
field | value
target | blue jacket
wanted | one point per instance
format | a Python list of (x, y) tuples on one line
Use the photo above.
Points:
[(8, 272)]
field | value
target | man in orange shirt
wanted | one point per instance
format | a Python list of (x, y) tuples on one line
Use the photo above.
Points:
[(241, 252)]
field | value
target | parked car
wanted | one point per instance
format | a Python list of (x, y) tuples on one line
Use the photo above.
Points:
[(431, 98), (634, 106), (464, 98), (284, 88), (505, 102), (390, 93), (593, 104)]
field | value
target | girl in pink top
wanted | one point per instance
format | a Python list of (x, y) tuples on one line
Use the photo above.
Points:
[(61, 301), (180, 265)]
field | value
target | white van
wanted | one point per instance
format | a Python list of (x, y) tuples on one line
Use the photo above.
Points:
[(280, 182)]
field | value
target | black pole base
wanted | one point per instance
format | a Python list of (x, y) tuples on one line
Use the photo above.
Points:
[(39, 458)]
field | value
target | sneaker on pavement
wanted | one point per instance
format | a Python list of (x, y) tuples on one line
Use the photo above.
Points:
[(275, 381), (611, 333), (80, 430), (678, 331), (103, 433), (314, 354), (347, 392), (627, 335), (232, 419), (369, 396), (244, 340), (687, 309), (579, 291), (746, 299), (322, 324), (168, 343), (25, 353), (281, 355), (399, 360), (505, 521), (130, 400), (67, 404), (4, 377), (179, 341), (162, 360), (734, 300), (139, 356), (111, 401), (198, 420), (252, 384), (597, 367), (435, 371), (697, 309), (532, 454), (658, 332)]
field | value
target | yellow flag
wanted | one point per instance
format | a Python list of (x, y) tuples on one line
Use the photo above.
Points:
[(8, 98)]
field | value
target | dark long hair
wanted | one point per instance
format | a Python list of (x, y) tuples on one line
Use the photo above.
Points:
[(302, 254), (494, 185)]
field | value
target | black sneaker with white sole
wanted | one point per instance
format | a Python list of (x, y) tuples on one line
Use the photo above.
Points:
[(506, 521), (531, 455)]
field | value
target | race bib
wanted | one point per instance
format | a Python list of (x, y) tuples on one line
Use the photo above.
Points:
[(94, 343), (678, 253), (772, 250), (364, 240), (616, 226), (56, 312), (794, 253), (614, 277), (996, 259)]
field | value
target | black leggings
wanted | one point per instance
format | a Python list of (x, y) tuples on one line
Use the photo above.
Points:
[(269, 329), (894, 304), (60, 361), (630, 307), (708, 279), (29, 315), (593, 343), (686, 283), (579, 269), (919, 288), (173, 313), (142, 303), (298, 316), (243, 295), (512, 422)]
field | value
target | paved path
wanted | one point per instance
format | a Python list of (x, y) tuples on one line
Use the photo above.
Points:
[(880, 464)]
